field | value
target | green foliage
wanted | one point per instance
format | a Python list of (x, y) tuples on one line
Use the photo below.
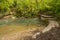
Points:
[(54, 9), (5, 4), (30, 8)]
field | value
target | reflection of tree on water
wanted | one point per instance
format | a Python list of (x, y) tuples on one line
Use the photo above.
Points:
[(5, 21), (19, 21)]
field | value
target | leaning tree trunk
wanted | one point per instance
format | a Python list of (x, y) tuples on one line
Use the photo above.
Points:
[(52, 24), (1, 17)]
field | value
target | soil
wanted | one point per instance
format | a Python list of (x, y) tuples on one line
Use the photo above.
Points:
[(53, 34)]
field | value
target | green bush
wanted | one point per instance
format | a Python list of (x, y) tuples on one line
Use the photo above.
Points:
[(30, 8), (5, 4)]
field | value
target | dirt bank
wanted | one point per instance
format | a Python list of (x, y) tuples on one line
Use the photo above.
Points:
[(53, 34)]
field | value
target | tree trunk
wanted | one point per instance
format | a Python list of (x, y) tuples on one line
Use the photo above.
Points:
[(1, 17), (52, 24)]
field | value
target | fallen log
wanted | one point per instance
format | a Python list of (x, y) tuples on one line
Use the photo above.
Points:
[(1, 17)]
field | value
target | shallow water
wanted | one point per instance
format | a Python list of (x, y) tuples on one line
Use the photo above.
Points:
[(13, 25), (19, 21)]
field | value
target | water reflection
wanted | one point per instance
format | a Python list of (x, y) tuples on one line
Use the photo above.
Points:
[(19, 21)]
